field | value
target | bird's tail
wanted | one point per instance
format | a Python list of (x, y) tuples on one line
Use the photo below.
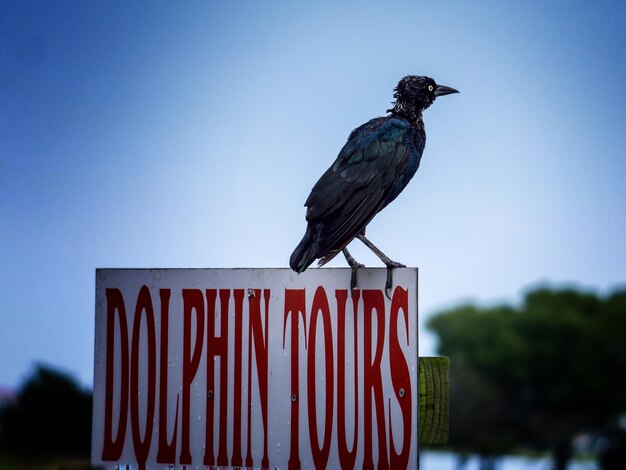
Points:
[(303, 255)]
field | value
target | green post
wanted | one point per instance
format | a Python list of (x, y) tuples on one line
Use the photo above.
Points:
[(434, 400)]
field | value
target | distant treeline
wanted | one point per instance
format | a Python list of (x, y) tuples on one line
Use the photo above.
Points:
[(50, 418), (536, 376)]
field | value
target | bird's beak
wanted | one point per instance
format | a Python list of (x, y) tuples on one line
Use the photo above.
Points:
[(444, 90)]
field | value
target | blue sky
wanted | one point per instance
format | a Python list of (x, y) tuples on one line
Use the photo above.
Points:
[(167, 134)]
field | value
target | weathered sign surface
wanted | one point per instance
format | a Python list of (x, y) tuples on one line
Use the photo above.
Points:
[(255, 368)]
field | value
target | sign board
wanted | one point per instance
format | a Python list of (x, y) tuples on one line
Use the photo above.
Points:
[(255, 368)]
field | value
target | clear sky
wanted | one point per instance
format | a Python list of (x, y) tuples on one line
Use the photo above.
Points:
[(188, 134)]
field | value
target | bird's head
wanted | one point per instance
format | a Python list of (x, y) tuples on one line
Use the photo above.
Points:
[(416, 93)]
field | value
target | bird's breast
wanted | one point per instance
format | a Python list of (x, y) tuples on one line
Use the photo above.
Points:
[(414, 156)]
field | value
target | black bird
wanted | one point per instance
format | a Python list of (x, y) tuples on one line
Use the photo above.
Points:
[(373, 167)]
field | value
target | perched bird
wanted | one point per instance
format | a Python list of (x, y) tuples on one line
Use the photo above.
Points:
[(373, 167)]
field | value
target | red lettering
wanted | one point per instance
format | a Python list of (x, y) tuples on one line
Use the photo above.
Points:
[(346, 458), (167, 451), (237, 460), (294, 304), (373, 300), (261, 355), (320, 304), (144, 304), (133, 367), (192, 301), (400, 378), (113, 447), (217, 346)]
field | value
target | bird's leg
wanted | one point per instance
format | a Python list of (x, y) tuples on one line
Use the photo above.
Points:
[(354, 264), (385, 259)]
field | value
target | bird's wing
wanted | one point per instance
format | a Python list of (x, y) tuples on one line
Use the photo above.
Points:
[(354, 188)]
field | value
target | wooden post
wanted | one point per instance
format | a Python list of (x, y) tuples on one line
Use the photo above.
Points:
[(434, 400)]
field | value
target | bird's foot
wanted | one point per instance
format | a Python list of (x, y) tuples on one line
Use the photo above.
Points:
[(389, 283), (354, 265), (353, 276), (385, 259)]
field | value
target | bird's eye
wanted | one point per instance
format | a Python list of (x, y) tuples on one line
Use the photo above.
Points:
[(431, 88)]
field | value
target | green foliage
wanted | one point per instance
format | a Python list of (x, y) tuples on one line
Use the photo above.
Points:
[(50, 418), (535, 375)]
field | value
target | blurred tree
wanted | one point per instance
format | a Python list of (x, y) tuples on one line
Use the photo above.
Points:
[(51, 417), (536, 375)]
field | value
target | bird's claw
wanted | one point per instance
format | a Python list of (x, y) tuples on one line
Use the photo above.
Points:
[(354, 268), (354, 265), (389, 283)]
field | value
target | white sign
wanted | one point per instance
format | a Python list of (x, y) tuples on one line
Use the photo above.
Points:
[(255, 368)]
